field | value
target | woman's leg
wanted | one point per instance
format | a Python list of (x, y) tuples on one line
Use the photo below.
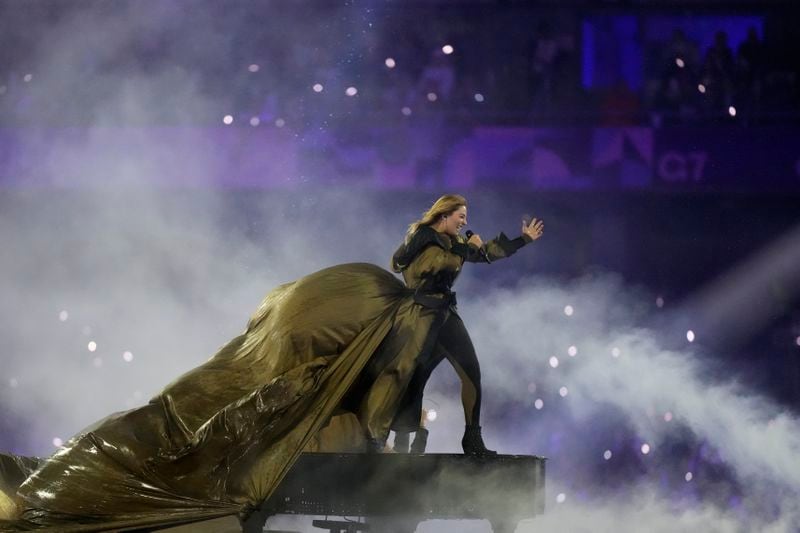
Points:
[(458, 349), (409, 417), (387, 377), (410, 412)]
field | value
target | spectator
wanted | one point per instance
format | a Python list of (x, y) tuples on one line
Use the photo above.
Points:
[(750, 70), (544, 56), (718, 72), (681, 48)]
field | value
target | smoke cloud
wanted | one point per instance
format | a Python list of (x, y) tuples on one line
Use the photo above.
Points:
[(113, 285)]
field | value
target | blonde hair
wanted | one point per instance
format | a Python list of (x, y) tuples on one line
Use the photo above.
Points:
[(443, 206)]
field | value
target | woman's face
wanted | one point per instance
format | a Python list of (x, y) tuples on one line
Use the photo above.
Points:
[(455, 221)]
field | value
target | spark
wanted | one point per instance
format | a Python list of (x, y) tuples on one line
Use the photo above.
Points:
[(92, 346), (690, 336), (390, 62), (479, 97), (645, 448), (351, 91), (572, 351), (615, 352), (255, 121), (563, 391), (448, 49), (127, 357), (63, 316), (538, 404), (318, 87), (227, 120), (57, 442), (679, 62), (554, 361), (254, 68), (568, 310), (607, 455)]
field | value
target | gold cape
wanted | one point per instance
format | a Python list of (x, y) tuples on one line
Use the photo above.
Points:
[(219, 439)]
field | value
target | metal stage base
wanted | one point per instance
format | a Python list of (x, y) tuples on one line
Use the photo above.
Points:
[(393, 493), (401, 490)]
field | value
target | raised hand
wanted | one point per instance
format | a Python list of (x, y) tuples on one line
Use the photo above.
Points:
[(533, 230)]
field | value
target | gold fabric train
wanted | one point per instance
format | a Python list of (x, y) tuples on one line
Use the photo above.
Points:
[(220, 438)]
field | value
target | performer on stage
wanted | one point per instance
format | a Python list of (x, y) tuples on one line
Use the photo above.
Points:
[(430, 259), (327, 362)]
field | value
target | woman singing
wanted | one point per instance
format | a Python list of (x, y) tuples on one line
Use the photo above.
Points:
[(430, 259), (329, 362)]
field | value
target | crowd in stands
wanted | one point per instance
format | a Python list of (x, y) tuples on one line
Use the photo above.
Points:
[(518, 66), (689, 84)]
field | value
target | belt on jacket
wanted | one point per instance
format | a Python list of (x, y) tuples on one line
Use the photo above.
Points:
[(434, 299)]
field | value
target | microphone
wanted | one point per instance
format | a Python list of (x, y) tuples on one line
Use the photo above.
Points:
[(470, 233)]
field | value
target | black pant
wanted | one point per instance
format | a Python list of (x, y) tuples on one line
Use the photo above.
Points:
[(454, 344)]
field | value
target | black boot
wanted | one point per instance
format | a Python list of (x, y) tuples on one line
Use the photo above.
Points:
[(472, 443), (420, 441), (400, 442)]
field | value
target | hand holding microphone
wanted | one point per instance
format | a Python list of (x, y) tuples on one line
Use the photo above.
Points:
[(472, 238)]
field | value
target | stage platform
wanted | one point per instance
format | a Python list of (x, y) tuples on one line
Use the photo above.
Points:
[(397, 491)]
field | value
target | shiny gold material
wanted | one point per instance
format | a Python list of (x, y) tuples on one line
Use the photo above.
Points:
[(220, 438), (8, 509)]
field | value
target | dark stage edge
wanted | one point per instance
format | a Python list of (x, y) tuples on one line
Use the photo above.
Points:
[(397, 491)]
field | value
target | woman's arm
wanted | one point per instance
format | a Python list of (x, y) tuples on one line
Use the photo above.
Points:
[(501, 246), (498, 248)]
